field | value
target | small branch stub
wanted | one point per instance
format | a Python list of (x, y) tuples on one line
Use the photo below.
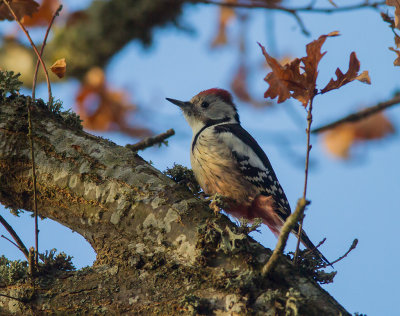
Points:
[(151, 141)]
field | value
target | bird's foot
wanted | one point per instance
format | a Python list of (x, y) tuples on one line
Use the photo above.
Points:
[(217, 202)]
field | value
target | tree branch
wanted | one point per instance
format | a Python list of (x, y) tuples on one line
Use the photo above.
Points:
[(309, 8), (142, 225), (20, 245), (359, 115), (151, 141)]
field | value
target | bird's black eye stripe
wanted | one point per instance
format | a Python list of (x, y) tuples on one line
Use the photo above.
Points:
[(205, 104)]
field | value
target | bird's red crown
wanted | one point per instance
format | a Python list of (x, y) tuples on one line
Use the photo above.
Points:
[(223, 94)]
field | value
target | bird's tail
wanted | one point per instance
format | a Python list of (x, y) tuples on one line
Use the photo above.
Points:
[(309, 244)]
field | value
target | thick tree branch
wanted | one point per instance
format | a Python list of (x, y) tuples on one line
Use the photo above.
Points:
[(159, 249)]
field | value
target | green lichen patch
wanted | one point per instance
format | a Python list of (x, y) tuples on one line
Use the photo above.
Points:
[(55, 262), (12, 271), (183, 176), (194, 305), (9, 83), (312, 265)]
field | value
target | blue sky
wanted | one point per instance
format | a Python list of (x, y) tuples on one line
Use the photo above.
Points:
[(350, 199)]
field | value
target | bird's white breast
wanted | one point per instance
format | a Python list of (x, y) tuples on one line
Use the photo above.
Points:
[(215, 169)]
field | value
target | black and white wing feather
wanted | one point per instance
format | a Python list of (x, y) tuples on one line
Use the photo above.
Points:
[(254, 164)]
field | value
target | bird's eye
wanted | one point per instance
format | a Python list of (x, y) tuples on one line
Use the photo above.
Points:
[(205, 104)]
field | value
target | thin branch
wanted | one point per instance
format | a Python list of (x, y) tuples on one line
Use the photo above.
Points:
[(150, 141), (33, 46), (359, 115), (292, 11), (309, 8), (14, 235), (299, 22), (316, 247), (284, 235), (9, 240), (30, 136), (352, 247), (42, 49), (308, 132)]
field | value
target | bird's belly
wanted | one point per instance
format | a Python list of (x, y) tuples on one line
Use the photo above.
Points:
[(216, 173)]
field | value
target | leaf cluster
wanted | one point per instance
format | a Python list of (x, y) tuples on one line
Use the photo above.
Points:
[(298, 78), (9, 83)]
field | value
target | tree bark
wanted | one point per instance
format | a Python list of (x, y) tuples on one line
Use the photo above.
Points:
[(160, 250)]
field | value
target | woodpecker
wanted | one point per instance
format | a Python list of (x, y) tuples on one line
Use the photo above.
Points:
[(227, 160)]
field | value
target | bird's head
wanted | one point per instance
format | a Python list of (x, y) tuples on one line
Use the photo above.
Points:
[(208, 107)]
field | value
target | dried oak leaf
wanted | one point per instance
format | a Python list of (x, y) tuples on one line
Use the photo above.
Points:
[(297, 78), (397, 60), (20, 8), (59, 68), (226, 14), (103, 109), (396, 4), (44, 15), (339, 140), (350, 75)]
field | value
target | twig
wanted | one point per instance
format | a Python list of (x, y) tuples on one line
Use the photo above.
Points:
[(150, 141), (14, 235), (283, 236), (352, 247), (316, 247), (359, 115), (8, 239), (13, 298), (33, 46), (30, 136), (308, 131), (309, 8), (292, 11), (42, 49), (299, 22)]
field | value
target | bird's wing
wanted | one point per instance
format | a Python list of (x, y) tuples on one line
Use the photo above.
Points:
[(254, 164)]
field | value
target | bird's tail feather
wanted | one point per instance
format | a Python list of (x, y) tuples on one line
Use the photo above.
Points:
[(309, 244)]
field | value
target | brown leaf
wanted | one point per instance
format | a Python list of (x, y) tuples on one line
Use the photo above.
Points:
[(364, 77), (20, 8), (339, 140), (350, 75), (59, 68), (397, 60), (396, 4), (103, 109), (288, 81), (226, 14), (44, 15), (239, 86), (281, 78)]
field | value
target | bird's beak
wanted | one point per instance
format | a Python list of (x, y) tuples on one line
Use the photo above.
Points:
[(182, 104)]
